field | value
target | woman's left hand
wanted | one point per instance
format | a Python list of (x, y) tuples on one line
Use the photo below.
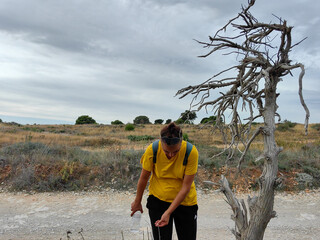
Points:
[(163, 221)]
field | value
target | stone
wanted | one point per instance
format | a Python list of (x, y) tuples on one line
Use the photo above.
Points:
[(304, 179)]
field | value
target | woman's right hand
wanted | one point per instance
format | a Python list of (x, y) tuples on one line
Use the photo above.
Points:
[(136, 206)]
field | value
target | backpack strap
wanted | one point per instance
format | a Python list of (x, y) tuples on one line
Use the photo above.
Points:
[(188, 151), (155, 145)]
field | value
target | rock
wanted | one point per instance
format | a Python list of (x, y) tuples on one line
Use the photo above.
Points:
[(304, 179)]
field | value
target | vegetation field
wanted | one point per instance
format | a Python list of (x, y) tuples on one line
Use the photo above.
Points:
[(93, 156)]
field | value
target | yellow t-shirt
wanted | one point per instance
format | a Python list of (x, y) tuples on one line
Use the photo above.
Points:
[(167, 174)]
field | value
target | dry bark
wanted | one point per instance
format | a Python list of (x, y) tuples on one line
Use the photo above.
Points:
[(254, 89)]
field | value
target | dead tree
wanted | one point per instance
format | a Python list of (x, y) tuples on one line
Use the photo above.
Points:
[(263, 53)]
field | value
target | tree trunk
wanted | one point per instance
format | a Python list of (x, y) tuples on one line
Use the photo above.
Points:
[(261, 210), (262, 61)]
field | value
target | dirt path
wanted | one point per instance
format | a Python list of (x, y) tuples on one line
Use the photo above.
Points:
[(106, 216)]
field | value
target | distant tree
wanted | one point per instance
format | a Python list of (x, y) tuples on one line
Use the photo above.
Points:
[(211, 119), (158, 121), (85, 119), (0, 120), (188, 116), (116, 122), (168, 121), (141, 120)]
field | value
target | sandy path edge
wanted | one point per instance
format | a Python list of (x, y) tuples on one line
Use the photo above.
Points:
[(105, 215)]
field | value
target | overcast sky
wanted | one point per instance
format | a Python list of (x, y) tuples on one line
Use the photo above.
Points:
[(118, 59)]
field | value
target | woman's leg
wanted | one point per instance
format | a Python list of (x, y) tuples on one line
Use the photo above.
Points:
[(185, 221), (156, 209)]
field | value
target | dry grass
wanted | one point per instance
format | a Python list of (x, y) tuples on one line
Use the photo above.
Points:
[(109, 137), (78, 156), (103, 136)]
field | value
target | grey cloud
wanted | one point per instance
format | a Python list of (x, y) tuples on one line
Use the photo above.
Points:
[(123, 35), (125, 57)]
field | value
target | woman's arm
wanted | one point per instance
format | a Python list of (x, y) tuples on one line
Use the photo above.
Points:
[(186, 185), (142, 183)]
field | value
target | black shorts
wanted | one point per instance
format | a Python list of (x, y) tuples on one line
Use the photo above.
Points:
[(184, 218)]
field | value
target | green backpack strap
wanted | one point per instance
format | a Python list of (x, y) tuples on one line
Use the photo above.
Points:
[(188, 151), (155, 145)]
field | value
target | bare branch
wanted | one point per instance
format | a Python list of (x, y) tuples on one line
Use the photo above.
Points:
[(306, 123), (301, 66), (262, 51), (256, 133), (239, 216), (250, 4), (298, 42)]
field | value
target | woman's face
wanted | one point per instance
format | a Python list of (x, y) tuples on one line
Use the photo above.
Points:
[(170, 150)]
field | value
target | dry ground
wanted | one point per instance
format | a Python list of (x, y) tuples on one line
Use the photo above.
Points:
[(105, 215), (106, 137)]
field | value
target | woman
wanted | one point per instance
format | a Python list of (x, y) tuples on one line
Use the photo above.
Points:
[(172, 193)]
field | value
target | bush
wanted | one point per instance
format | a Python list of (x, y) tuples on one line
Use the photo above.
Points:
[(316, 126), (39, 167), (185, 137), (285, 126), (168, 121), (116, 122), (211, 119), (85, 119), (129, 127), (180, 121), (158, 121), (98, 142), (205, 158), (33, 129), (14, 124), (141, 120), (140, 138)]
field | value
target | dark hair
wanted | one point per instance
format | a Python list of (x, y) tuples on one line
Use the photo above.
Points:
[(171, 131)]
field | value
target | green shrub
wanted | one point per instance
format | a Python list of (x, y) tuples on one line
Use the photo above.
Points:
[(99, 142), (168, 121), (141, 120), (205, 157), (140, 138), (116, 122), (285, 126), (85, 119), (211, 119), (316, 126), (33, 129), (209, 163), (13, 124), (185, 137), (158, 121), (180, 121), (255, 123), (129, 127), (306, 159)]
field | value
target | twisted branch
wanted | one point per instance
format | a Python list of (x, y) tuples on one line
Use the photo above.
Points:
[(253, 88)]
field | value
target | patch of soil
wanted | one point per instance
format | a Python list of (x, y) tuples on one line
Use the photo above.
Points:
[(245, 181)]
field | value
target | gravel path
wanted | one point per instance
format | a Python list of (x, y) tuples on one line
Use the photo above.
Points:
[(106, 216)]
